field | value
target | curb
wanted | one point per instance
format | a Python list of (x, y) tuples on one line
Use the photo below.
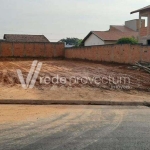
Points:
[(71, 102)]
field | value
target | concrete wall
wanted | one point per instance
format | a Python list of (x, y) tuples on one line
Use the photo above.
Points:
[(47, 50), (127, 54), (132, 24)]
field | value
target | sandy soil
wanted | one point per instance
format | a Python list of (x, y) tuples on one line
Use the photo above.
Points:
[(63, 93), (68, 69), (19, 113), (10, 85)]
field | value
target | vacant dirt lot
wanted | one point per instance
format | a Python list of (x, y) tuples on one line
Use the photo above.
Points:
[(81, 80)]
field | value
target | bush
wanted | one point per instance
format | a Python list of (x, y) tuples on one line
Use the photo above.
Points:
[(127, 41)]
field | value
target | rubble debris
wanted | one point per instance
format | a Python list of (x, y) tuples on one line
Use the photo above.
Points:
[(141, 65)]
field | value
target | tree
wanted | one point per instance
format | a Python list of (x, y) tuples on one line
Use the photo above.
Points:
[(127, 41), (72, 41)]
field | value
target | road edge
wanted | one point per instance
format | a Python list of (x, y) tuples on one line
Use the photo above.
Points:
[(72, 102)]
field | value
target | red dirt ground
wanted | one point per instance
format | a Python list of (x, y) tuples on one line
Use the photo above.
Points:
[(137, 90), (139, 80)]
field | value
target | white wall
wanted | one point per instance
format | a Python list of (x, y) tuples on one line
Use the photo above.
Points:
[(93, 40)]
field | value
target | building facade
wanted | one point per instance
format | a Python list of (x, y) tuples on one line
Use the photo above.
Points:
[(116, 32), (144, 30)]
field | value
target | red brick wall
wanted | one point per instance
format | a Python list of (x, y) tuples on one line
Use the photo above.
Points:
[(143, 31), (6, 49), (127, 54), (29, 50), (58, 50), (39, 50), (16, 49), (49, 50), (145, 53)]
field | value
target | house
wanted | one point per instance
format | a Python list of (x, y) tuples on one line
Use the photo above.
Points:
[(144, 31), (25, 38), (130, 29)]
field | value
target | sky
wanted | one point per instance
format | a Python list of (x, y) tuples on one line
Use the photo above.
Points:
[(57, 19)]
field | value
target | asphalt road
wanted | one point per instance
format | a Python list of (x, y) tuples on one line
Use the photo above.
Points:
[(93, 128)]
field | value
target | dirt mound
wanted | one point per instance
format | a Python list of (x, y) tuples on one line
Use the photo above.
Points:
[(9, 77), (78, 74)]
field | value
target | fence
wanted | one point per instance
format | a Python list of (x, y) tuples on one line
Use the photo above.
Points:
[(127, 54), (48, 50)]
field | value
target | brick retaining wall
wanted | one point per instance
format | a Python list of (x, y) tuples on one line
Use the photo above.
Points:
[(127, 54), (16, 49)]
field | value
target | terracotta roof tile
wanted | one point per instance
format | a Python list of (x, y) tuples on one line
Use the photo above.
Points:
[(114, 35), (25, 38), (122, 28)]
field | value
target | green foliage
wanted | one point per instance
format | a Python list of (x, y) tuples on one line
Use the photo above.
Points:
[(79, 42), (72, 41), (127, 41)]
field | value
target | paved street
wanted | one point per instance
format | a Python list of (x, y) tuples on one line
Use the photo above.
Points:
[(80, 128)]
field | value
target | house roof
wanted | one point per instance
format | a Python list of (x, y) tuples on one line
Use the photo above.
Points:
[(122, 28), (144, 8), (25, 38), (111, 35)]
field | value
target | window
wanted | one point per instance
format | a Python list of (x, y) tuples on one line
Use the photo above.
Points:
[(148, 42)]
